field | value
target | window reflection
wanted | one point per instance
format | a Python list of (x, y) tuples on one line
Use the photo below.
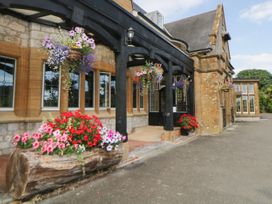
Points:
[(7, 77), (89, 90), (51, 87), (73, 100), (104, 90)]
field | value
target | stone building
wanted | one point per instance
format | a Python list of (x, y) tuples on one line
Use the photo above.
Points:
[(207, 39), (246, 99), (108, 91)]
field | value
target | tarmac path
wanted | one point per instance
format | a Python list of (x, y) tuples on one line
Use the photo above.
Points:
[(234, 167)]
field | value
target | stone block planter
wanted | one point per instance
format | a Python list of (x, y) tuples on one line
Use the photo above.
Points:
[(30, 173)]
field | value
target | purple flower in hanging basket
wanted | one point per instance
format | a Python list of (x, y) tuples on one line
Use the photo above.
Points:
[(179, 84), (57, 56), (86, 63)]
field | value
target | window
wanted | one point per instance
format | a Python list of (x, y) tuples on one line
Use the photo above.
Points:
[(50, 88), (180, 93), (154, 98), (7, 82), (113, 91), (141, 101), (237, 87), (244, 98), (104, 90), (238, 104), (244, 89), (89, 90), (251, 104), (74, 90), (251, 88)]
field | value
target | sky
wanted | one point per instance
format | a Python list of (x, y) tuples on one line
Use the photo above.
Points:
[(249, 23)]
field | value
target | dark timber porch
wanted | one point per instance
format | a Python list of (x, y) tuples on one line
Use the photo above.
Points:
[(109, 23)]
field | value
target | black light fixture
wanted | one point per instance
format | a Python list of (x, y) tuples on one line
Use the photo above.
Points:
[(130, 35)]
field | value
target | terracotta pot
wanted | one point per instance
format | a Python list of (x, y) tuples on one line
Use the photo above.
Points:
[(74, 54)]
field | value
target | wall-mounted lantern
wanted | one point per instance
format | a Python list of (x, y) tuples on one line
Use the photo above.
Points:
[(130, 35)]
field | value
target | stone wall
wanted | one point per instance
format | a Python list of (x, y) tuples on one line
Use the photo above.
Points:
[(8, 130)]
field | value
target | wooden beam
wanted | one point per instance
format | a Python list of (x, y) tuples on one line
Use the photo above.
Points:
[(121, 59), (168, 117)]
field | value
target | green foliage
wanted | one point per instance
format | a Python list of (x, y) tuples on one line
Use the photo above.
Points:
[(267, 98), (265, 79), (264, 76)]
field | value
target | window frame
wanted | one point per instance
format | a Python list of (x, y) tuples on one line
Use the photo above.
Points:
[(249, 97), (43, 108), (109, 91), (112, 108), (14, 85)]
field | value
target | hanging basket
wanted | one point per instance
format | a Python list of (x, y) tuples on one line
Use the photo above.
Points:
[(74, 55)]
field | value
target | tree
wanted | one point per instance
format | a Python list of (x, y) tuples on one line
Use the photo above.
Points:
[(267, 92), (264, 76)]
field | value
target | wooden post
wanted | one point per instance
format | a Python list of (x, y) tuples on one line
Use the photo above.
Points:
[(64, 92), (191, 96), (130, 95), (121, 89), (82, 92), (168, 117)]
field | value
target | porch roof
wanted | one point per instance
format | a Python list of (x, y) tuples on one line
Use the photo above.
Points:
[(107, 20)]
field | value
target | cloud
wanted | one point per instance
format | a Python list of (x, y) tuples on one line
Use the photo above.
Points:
[(168, 7), (258, 61), (259, 12)]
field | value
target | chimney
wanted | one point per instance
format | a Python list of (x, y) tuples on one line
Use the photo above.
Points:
[(157, 18)]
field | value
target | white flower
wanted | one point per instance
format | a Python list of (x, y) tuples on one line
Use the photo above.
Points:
[(109, 148)]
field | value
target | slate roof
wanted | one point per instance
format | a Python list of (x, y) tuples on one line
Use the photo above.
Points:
[(194, 30)]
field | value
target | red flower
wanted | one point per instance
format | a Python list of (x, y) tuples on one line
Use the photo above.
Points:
[(85, 138)]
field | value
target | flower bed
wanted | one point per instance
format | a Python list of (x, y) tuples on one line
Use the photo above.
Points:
[(61, 150)]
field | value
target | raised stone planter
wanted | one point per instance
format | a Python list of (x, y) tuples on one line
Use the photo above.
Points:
[(29, 173)]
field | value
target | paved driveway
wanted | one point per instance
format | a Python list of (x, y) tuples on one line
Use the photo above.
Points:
[(235, 167)]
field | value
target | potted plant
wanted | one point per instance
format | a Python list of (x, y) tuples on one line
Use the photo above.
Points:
[(69, 52), (187, 123), (70, 146), (148, 74)]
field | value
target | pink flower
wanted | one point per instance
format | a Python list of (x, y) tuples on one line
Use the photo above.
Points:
[(26, 134), (36, 145), (37, 136), (78, 29), (91, 41), (50, 140), (24, 139), (50, 148), (75, 146), (56, 133), (16, 138), (72, 33), (61, 145), (63, 138), (78, 44), (93, 46), (44, 148)]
